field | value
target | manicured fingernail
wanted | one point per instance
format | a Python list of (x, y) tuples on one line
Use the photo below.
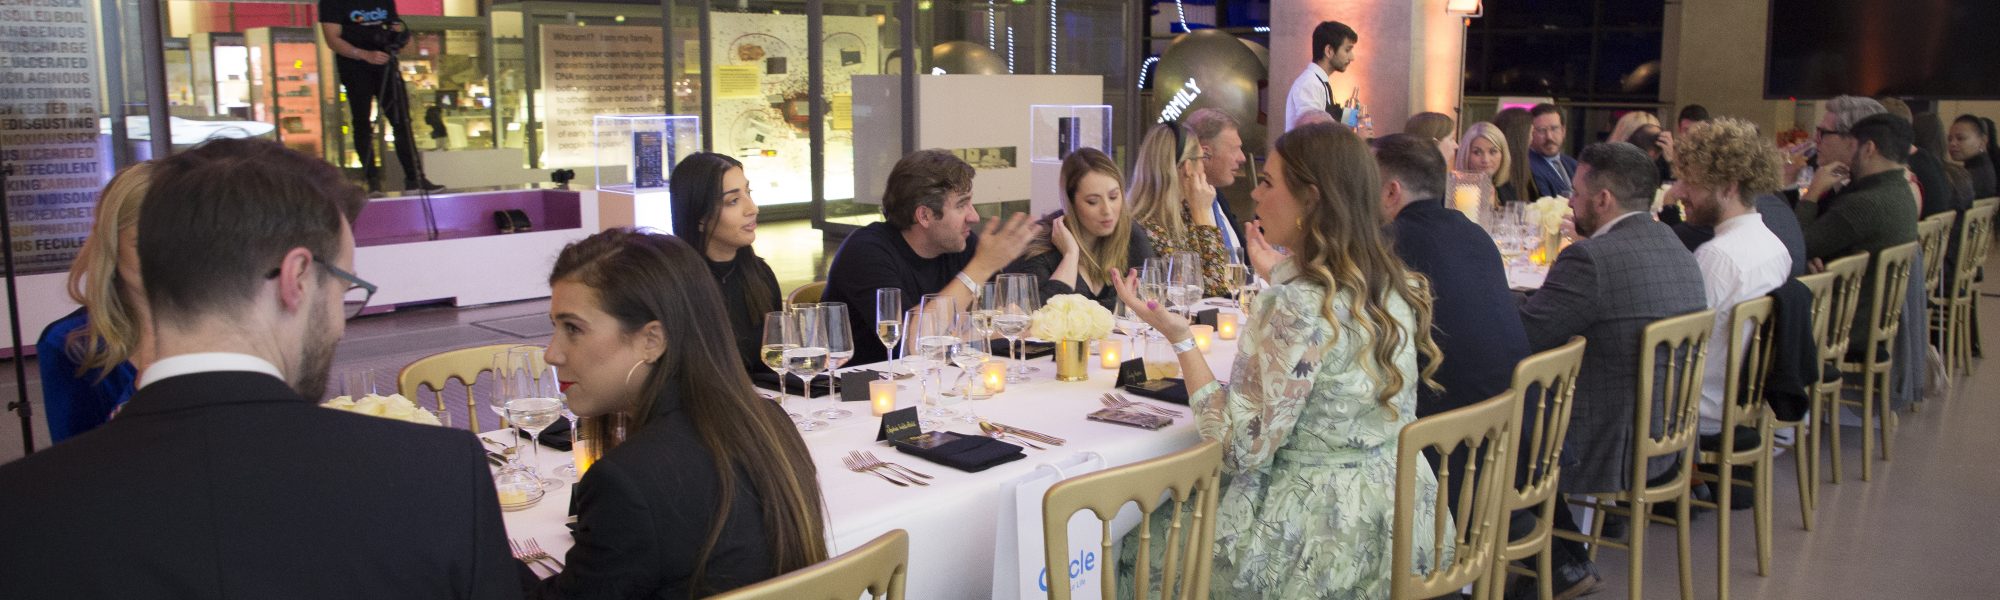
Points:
[(1151, 305)]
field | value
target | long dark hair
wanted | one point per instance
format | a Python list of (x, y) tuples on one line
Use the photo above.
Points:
[(1515, 123), (1985, 127), (696, 189), (643, 277), (1342, 248)]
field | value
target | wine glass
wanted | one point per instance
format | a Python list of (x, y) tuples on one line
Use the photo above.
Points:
[(532, 399), (1018, 301), (1183, 281), (569, 469), (781, 334), (1235, 276), (497, 402), (809, 358), (889, 323), (839, 350), (968, 355), (983, 309)]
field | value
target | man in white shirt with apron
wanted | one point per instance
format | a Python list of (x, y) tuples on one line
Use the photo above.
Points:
[(1333, 49)]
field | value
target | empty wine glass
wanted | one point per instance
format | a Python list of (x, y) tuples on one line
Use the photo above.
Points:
[(839, 349), (889, 324), (809, 358), (1018, 301), (983, 309), (933, 329), (968, 355), (781, 334)]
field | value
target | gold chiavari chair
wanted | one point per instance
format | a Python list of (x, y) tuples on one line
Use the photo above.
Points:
[(1975, 233), (1192, 478), (1744, 414), (1474, 528), (437, 370), (1892, 269), (1546, 383), (878, 568), (1805, 431), (1849, 273)]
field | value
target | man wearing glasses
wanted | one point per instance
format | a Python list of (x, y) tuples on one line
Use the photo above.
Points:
[(222, 477), (1859, 200), (1553, 170)]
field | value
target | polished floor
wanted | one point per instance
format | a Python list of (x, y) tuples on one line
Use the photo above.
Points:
[(1923, 528)]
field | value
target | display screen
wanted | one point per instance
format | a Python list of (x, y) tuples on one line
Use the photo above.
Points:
[(1906, 48)]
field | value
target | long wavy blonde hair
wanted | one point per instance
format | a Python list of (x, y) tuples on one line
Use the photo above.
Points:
[(117, 307), (1155, 192), (1342, 248)]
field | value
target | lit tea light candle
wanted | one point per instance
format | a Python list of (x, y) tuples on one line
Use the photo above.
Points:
[(1465, 198), (994, 375), (1108, 355), (1225, 326), (1203, 336), (882, 396)]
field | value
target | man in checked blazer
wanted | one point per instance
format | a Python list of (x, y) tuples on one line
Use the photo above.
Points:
[(222, 478), (1628, 272)]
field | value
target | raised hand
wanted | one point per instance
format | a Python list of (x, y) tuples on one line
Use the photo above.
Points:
[(1174, 326), (1000, 244), (1261, 254)]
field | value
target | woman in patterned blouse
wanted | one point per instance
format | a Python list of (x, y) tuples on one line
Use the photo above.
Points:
[(1323, 383), (1173, 202)]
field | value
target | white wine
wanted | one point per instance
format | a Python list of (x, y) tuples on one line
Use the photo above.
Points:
[(774, 355), (805, 362), (839, 359), (1162, 369), (534, 414), (935, 348), (889, 331), (1011, 325), (982, 320), (1233, 276)]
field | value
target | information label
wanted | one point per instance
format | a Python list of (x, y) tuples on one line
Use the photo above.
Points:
[(597, 70), (49, 128)]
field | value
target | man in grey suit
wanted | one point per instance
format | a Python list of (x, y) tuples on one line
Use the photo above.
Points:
[(1628, 272)]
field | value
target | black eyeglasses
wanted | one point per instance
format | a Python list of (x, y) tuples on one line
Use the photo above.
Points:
[(1823, 132), (358, 293)]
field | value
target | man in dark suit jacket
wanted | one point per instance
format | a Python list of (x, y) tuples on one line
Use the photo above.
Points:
[(1628, 272), (222, 478), (1474, 323), (1554, 172)]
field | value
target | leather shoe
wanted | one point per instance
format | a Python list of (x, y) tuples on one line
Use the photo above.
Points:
[(1571, 582), (412, 185)]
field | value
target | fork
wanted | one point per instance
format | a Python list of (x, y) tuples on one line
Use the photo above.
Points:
[(523, 555), (1163, 411), (1124, 404), (535, 550), (854, 464), (868, 460)]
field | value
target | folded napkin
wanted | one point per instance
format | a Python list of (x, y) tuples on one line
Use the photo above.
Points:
[(556, 436), (971, 454), (1029, 349), (1172, 389), (769, 381)]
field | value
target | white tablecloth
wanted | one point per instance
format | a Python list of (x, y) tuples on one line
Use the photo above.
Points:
[(952, 523)]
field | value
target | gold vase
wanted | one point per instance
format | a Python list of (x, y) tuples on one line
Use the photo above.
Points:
[(1072, 360)]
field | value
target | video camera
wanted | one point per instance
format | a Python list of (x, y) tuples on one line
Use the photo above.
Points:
[(380, 37)]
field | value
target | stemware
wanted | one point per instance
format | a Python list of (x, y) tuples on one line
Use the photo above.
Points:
[(889, 324), (1235, 276), (1184, 281), (1020, 297), (983, 309), (839, 350), (533, 400), (809, 358), (934, 330), (781, 334)]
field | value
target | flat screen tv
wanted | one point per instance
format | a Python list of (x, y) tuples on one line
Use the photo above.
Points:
[(1927, 49)]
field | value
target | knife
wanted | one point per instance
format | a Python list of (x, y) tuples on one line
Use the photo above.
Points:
[(498, 459)]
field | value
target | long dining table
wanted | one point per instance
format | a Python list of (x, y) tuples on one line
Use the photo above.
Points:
[(953, 523)]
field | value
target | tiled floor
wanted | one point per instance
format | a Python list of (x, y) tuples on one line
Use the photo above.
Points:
[(1921, 529)]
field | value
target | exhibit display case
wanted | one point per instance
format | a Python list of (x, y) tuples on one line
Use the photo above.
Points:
[(286, 85), (448, 68), (221, 74), (557, 65), (1055, 131), (636, 153)]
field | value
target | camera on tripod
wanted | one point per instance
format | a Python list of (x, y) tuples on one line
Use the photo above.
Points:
[(379, 37)]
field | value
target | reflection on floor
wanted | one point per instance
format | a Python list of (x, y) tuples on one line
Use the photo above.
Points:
[(1921, 529)]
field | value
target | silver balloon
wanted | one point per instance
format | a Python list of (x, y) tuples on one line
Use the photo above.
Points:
[(967, 58), (1225, 69)]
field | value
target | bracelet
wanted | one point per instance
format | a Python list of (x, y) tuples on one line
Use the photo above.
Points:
[(970, 285), (1183, 346)]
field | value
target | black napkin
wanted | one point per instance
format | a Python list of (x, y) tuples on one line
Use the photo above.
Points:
[(1029, 349), (971, 454), (793, 384), (1172, 389), (556, 436)]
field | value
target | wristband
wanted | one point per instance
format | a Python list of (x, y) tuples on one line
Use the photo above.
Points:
[(1184, 346), (969, 283)]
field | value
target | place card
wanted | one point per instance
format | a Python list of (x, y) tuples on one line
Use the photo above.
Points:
[(1131, 372), (854, 386), (1206, 317), (899, 425)]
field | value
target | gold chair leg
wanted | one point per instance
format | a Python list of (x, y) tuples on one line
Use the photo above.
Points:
[(1832, 417), (1802, 444), (1763, 512), (1545, 574), (1867, 424), (1597, 515), (1725, 484), (1635, 527), (1686, 534), (1888, 412)]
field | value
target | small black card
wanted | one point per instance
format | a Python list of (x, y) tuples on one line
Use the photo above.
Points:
[(1131, 372), (1206, 317), (854, 386), (899, 425)]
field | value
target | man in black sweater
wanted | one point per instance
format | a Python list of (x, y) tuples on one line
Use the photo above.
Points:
[(924, 245)]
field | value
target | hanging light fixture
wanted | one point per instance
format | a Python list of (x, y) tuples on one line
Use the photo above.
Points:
[(1467, 8)]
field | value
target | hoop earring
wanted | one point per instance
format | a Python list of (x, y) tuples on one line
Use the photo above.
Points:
[(634, 369)]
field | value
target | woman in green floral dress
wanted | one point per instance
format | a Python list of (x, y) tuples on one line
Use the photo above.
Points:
[(1324, 381)]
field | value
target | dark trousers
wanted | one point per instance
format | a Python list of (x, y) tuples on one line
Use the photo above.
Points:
[(367, 86)]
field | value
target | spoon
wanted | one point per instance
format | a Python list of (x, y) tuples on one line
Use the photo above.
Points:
[(996, 433)]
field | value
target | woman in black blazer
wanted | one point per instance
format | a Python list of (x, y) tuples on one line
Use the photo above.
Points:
[(713, 212), (714, 490), (1092, 236)]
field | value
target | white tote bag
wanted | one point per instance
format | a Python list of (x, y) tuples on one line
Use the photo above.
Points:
[(1021, 511)]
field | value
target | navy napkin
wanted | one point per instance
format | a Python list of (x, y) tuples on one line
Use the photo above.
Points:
[(769, 381), (968, 453)]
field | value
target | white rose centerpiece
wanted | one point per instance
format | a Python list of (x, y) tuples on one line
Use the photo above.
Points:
[(1548, 213), (1071, 321), (393, 406)]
